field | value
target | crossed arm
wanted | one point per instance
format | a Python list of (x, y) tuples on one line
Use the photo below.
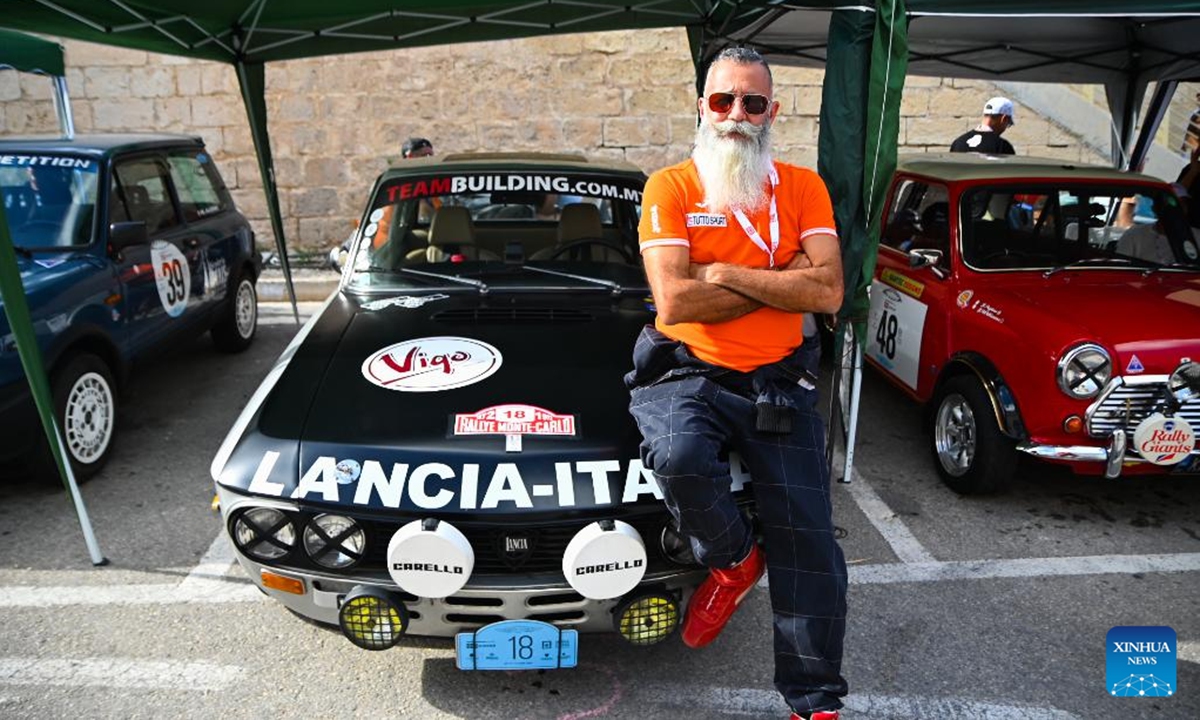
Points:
[(687, 292)]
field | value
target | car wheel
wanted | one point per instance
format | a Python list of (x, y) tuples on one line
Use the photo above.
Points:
[(85, 403), (970, 452), (235, 328)]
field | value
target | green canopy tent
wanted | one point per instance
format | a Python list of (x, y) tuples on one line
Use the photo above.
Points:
[(25, 53)]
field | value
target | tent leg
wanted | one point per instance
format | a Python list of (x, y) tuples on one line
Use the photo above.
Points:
[(855, 392), (1163, 91), (62, 107), (89, 536)]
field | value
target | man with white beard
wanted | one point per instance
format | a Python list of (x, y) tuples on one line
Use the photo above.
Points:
[(737, 248)]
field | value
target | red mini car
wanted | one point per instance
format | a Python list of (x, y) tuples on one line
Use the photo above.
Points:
[(1040, 308)]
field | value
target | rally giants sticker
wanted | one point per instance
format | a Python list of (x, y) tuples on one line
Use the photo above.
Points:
[(1164, 440), (514, 420), (432, 364), (172, 276)]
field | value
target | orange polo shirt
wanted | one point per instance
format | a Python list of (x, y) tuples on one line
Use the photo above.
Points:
[(673, 214)]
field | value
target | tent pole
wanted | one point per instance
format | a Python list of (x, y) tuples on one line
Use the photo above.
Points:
[(252, 81), (1164, 90), (856, 372), (62, 107), (12, 294)]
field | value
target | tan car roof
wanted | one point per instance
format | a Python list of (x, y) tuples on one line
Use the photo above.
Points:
[(975, 166), (508, 160)]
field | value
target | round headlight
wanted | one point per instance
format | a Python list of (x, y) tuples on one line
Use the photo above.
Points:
[(334, 541), (1184, 383), (264, 533), (1084, 370)]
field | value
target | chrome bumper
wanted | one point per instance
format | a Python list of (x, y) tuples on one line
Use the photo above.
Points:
[(1113, 456)]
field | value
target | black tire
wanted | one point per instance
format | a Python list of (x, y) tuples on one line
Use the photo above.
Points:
[(970, 453), (235, 329), (85, 406)]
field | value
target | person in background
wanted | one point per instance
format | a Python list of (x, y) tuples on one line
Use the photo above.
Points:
[(985, 138), (738, 249), (1189, 180)]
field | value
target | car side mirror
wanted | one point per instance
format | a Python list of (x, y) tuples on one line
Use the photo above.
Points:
[(925, 257), (124, 234)]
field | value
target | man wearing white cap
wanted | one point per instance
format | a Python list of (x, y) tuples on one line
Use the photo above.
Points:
[(985, 138)]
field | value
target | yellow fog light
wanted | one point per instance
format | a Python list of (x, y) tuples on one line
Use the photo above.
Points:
[(372, 619), (647, 619)]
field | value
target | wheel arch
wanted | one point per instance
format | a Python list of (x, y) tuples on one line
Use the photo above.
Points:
[(1004, 401), (97, 344)]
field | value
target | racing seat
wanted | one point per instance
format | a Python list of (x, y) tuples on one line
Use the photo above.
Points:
[(580, 221), (451, 233)]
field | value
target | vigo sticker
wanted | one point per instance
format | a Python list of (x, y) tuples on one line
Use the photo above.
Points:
[(432, 364), (514, 419), (172, 276), (410, 302), (1164, 440)]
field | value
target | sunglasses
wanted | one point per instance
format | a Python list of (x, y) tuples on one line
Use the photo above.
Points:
[(752, 104)]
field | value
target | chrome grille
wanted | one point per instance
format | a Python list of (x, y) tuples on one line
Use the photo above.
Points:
[(1125, 402)]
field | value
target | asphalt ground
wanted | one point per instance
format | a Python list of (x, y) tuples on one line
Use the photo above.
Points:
[(990, 608)]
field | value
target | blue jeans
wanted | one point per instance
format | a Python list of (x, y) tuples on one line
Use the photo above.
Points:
[(689, 422)]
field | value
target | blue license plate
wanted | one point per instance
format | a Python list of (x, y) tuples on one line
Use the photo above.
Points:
[(517, 645)]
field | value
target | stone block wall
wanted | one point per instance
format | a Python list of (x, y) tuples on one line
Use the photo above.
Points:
[(335, 121)]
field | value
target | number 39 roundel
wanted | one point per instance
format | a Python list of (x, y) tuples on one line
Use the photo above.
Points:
[(172, 276), (894, 332)]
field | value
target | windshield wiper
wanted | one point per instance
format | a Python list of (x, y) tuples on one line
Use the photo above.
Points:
[(478, 284), (1094, 261), (616, 287)]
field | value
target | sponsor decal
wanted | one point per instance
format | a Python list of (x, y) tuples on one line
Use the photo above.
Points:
[(460, 184), (891, 295), (904, 284), (172, 276), (1135, 365), (609, 567), (431, 364), (964, 298), (50, 160), (707, 220), (1140, 661), (50, 262), (375, 215), (410, 302), (654, 223), (1164, 440), (347, 471), (467, 486), (514, 419), (991, 312), (404, 566)]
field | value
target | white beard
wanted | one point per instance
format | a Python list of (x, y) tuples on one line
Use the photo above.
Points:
[(734, 162)]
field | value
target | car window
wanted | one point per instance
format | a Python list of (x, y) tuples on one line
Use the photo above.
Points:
[(919, 219), (1047, 226), (49, 200), (195, 184), (489, 215), (143, 184)]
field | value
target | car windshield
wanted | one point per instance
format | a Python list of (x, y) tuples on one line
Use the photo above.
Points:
[(1046, 226), (49, 200), (497, 224)]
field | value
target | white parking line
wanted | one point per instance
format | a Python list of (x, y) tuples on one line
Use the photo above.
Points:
[(1023, 568), (906, 546), (117, 673), (752, 702), (1188, 651), (213, 566)]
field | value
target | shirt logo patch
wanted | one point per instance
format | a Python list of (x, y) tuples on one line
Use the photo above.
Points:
[(654, 224), (707, 220)]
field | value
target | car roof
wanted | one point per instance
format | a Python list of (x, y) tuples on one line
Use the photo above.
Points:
[(977, 166), (96, 145), (509, 161)]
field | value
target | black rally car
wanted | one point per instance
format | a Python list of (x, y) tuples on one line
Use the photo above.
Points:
[(446, 445)]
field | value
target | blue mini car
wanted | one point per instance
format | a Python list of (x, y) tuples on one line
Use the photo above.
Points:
[(126, 245)]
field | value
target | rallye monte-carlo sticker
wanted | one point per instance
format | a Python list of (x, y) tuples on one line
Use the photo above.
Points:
[(465, 486), (894, 329), (513, 421), (432, 364)]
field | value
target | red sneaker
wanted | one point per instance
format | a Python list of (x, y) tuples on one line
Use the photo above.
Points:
[(818, 715), (717, 597)]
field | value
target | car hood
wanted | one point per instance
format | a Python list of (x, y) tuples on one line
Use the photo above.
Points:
[(46, 275), (332, 430), (1154, 317)]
